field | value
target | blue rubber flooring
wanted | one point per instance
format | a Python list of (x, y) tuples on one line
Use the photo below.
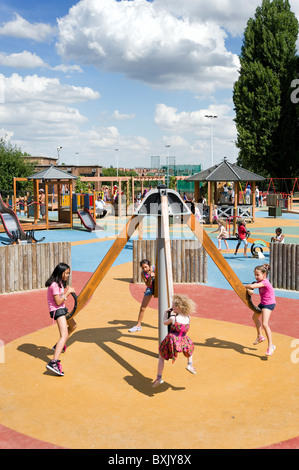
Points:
[(87, 256)]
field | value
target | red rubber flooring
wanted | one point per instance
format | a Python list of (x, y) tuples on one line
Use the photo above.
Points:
[(24, 313)]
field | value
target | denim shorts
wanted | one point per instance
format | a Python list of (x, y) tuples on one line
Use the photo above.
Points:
[(60, 312), (148, 291), (269, 307)]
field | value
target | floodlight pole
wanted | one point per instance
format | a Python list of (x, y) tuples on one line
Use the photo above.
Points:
[(212, 137)]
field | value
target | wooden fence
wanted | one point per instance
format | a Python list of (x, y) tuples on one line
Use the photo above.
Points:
[(28, 266), (189, 260), (284, 266)]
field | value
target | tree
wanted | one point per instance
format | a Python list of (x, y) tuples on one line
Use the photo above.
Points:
[(12, 164), (266, 117)]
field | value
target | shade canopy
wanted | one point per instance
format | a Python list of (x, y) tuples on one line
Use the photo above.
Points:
[(52, 174), (225, 171)]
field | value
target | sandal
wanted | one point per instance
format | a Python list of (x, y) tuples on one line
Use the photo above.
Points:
[(259, 339)]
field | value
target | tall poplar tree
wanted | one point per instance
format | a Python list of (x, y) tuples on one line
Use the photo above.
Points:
[(266, 117)]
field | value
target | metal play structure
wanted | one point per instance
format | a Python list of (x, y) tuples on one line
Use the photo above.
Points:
[(162, 203), (13, 227)]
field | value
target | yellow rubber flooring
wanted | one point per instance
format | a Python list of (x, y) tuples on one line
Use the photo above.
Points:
[(238, 399)]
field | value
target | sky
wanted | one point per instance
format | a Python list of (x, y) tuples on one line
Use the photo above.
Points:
[(112, 82)]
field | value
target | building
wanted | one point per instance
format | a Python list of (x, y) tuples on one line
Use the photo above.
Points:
[(41, 163)]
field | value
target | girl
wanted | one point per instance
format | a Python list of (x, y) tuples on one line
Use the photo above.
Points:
[(148, 277), (242, 236), (279, 237), (176, 340), (214, 215), (222, 234), (57, 296), (267, 305)]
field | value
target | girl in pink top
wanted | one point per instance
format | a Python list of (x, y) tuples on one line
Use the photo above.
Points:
[(267, 305), (57, 296)]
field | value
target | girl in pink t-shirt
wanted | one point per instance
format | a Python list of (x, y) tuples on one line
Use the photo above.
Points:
[(266, 305), (57, 296)]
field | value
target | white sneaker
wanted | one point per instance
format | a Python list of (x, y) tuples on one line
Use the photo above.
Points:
[(135, 328), (191, 369), (157, 382)]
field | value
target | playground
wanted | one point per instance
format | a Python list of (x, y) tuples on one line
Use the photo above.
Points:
[(239, 398)]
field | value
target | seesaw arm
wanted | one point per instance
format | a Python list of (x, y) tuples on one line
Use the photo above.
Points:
[(221, 262), (105, 265)]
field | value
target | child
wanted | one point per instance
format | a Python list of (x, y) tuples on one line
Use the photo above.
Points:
[(267, 305), (176, 340), (279, 238), (242, 233), (57, 296), (148, 277), (214, 215), (222, 234)]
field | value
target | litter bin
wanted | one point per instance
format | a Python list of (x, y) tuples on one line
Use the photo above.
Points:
[(274, 211)]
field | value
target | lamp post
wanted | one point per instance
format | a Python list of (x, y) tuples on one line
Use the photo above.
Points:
[(234, 142), (168, 146), (210, 116), (58, 154)]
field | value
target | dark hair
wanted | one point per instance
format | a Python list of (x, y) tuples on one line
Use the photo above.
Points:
[(145, 261), (56, 275)]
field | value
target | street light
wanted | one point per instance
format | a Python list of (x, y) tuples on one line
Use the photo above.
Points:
[(210, 116), (234, 142), (58, 154), (168, 146)]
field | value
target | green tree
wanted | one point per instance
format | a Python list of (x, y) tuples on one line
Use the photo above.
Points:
[(13, 164), (266, 117)]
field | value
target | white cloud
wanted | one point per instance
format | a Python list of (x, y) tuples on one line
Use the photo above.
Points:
[(34, 89), (148, 44), (189, 132), (119, 117), (68, 68), (22, 60), (21, 28), (40, 109), (191, 122), (29, 60), (38, 113), (229, 14)]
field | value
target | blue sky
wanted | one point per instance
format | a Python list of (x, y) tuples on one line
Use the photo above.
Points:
[(92, 76)]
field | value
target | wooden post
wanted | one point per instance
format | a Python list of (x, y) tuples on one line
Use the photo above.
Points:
[(133, 195), (235, 210), (253, 200), (46, 202), (196, 191), (71, 202)]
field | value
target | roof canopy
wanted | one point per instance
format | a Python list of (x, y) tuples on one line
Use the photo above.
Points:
[(225, 171), (52, 173)]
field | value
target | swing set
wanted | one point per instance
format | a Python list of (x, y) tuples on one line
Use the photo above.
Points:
[(284, 194)]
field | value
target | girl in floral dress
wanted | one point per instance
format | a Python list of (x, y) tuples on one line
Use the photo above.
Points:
[(176, 340)]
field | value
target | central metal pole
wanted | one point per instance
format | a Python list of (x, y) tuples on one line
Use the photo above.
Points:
[(162, 280)]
